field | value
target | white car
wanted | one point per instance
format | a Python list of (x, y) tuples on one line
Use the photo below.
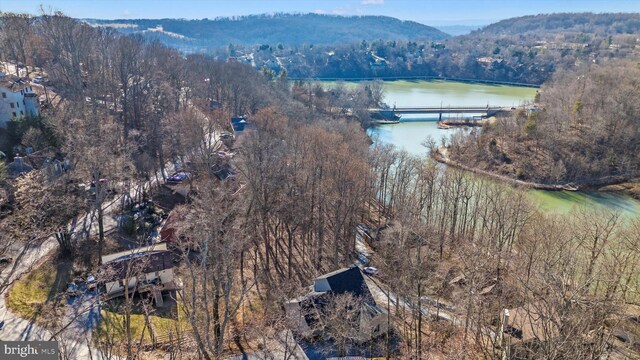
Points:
[(91, 282), (370, 270)]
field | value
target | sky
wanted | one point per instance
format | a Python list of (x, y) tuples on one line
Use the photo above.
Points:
[(429, 12)]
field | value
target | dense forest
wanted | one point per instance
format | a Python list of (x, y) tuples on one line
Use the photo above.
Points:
[(453, 250), (284, 29)]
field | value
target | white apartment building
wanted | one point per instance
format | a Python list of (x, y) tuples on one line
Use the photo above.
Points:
[(17, 100)]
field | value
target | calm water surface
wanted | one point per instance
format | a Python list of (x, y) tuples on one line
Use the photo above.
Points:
[(413, 130)]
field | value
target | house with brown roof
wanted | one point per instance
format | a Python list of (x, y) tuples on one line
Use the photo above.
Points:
[(145, 269)]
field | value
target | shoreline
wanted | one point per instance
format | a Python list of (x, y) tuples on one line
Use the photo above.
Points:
[(417, 77), (440, 156), (630, 188), (628, 185), (464, 123)]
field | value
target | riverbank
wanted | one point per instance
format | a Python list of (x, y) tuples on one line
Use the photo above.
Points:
[(383, 122), (410, 135), (614, 184), (416, 78), (441, 156), (461, 123)]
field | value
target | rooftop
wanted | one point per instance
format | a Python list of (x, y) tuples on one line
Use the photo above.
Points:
[(347, 280), (13, 83)]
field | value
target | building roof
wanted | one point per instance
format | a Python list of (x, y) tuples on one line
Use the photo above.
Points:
[(347, 280), (137, 263), (13, 83), (37, 159), (169, 231)]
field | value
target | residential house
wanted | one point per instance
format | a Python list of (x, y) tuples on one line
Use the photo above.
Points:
[(145, 269), (17, 99), (50, 160), (306, 312)]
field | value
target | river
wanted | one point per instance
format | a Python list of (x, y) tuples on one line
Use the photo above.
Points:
[(413, 130)]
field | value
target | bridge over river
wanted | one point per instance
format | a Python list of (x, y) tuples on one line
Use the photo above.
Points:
[(393, 113)]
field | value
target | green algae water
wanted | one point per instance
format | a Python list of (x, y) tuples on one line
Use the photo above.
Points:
[(563, 202), (413, 130)]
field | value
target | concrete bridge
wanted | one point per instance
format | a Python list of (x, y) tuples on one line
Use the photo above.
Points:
[(392, 113)]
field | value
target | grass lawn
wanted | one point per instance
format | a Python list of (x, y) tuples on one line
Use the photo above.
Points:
[(35, 296), (112, 326)]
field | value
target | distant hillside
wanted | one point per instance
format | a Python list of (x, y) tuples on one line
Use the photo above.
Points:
[(286, 29), (601, 24)]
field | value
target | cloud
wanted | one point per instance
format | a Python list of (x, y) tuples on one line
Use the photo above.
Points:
[(371, 2), (341, 11)]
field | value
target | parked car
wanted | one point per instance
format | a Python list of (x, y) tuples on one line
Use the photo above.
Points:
[(38, 80), (226, 135), (91, 283), (224, 154), (5, 260), (179, 177), (370, 270)]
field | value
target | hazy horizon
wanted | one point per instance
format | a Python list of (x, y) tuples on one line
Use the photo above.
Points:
[(432, 13)]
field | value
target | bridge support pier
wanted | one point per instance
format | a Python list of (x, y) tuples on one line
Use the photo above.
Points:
[(439, 116)]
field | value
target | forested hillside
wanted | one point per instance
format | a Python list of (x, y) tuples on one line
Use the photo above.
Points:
[(586, 132), (530, 53), (287, 29), (600, 24)]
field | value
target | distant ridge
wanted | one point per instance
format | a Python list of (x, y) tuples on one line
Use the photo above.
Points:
[(602, 24), (286, 29)]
